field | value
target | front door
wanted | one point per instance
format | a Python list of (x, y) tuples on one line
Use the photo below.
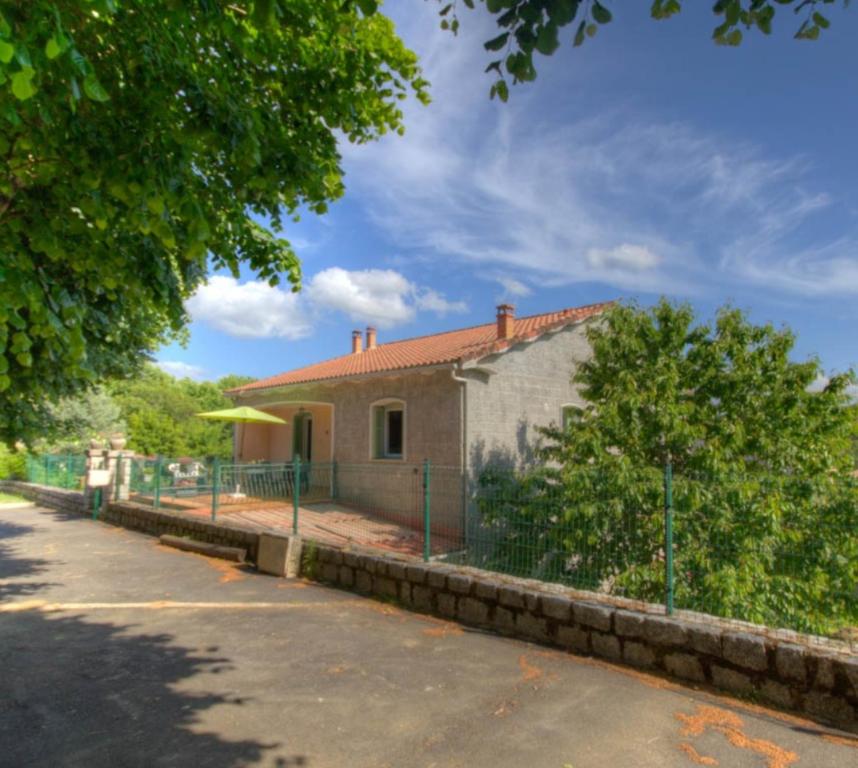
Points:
[(302, 444)]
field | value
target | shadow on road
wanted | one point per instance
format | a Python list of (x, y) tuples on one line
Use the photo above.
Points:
[(74, 692)]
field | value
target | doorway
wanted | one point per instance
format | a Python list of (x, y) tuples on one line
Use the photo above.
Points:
[(302, 436)]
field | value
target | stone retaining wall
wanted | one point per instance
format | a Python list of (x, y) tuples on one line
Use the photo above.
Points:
[(138, 517), (46, 496), (792, 673), (817, 681)]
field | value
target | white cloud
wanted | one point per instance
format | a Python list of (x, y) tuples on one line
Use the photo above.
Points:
[(620, 198), (249, 310), (625, 256), (512, 287), (181, 370), (380, 296), (821, 382)]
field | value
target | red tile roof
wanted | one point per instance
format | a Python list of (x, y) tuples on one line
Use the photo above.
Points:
[(423, 351)]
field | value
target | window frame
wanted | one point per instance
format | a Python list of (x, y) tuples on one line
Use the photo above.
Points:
[(572, 408), (389, 405)]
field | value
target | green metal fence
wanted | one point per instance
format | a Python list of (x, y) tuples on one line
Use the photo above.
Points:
[(773, 550), (769, 549), (64, 470)]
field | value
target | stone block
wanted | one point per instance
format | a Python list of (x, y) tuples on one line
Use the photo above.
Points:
[(396, 570), (638, 654), (487, 590), (790, 662), (347, 576), (777, 693), (329, 572), (591, 615), (731, 680), (438, 579), (504, 620), (745, 650), (532, 601), (629, 624), (421, 598), (606, 646), (405, 592), (416, 574), (848, 669), (824, 677), (373, 564), (574, 638), (447, 605), (557, 607), (352, 560), (510, 596), (385, 587), (363, 581), (531, 626), (279, 555), (686, 666), (459, 583), (705, 639), (829, 707), (472, 611), (660, 630)]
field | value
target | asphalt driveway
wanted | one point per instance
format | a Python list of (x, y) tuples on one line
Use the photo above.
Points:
[(115, 651)]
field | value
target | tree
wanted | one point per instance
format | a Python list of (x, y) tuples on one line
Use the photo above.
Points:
[(161, 414), (764, 509), (534, 26), (77, 420), (142, 145)]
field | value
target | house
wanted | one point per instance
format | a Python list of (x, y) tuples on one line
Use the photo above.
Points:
[(461, 399)]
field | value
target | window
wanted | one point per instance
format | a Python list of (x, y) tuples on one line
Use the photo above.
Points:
[(568, 414), (388, 430)]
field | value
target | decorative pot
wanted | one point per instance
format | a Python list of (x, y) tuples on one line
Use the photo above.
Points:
[(117, 442), (95, 443)]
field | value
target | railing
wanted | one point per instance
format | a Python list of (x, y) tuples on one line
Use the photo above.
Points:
[(774, 550), (65, 470)]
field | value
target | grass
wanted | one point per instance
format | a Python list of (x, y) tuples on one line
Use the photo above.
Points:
[(8, 498)]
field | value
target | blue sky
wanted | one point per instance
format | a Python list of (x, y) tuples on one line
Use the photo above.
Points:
[(647, 162)]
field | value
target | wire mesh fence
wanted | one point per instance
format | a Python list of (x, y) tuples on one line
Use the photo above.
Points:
[(65, 470), (771, 549)]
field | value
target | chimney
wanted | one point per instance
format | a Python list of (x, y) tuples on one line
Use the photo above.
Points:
[(357, 342), (506, 321), (370, 337)]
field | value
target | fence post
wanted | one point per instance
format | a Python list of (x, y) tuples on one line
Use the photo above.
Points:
[(427, 544), (296, 491), (68, 470), (157, 500), (47, 463), (215, 487), (668, 537), (117, 472), (96, 502), (333, 480)]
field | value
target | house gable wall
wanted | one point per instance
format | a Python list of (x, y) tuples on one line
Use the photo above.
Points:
[(530, 385)]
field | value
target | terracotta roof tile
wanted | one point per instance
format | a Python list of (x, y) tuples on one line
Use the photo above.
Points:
[(422, 351)]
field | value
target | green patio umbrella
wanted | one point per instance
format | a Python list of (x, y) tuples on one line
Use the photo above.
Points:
[(244, 415)]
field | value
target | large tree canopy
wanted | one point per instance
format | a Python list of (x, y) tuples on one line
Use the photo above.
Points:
[(142, 142), (765, 507)]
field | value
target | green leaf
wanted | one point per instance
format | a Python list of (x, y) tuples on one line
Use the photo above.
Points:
[(821, 21), (56, 45), (368, 7), (580, 34), (502, 90), (600, 13), (22, 84), (496, 43), (7, 51), (22, 56), (93, 88), (547, 39)]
